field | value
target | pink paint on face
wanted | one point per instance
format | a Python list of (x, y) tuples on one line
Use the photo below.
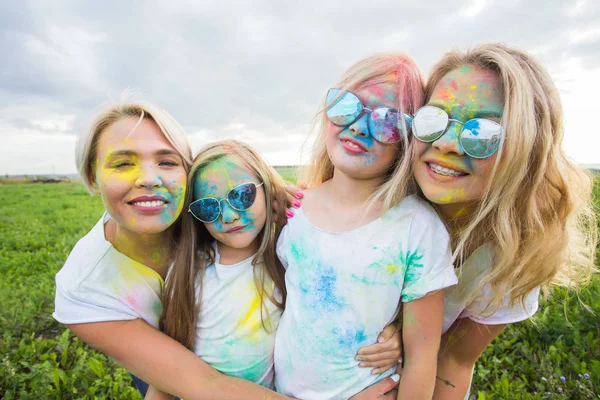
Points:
[(140, 176), (445, 174)]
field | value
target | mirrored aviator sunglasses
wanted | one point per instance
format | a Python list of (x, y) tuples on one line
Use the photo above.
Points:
[(479, 137), (240, 198), (384, 123)]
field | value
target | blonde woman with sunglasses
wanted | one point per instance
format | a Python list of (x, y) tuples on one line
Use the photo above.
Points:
[(489, 155)]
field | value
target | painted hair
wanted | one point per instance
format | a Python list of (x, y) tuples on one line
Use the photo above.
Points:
[(396, 68), (537, 207), (87, 142), (195, 251)]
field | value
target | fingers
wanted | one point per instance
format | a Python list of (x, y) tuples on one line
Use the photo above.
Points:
[(378, 357), (390, 345), (294, 191), (292, 201), (387, 333)]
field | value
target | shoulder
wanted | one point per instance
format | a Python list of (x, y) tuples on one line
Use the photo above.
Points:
[(417, 212), (85, 256)]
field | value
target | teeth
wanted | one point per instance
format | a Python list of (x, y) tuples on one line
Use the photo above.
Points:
[(438, 169), (351, 144), (149, 204)]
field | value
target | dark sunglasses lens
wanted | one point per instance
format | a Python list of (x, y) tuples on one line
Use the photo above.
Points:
[(429, 123), (385, 125), (480, 138), (343, 108), (206, 210), (242, 197)]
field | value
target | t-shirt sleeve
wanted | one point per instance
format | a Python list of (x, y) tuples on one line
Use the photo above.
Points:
[(282, 245), (505, 314), (71, 308), (428, 256)]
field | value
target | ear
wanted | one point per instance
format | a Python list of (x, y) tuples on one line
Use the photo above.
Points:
[(95, 188)]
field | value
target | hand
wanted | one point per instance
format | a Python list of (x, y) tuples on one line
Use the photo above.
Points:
[(384, 354), (384, 389), (293, 195)]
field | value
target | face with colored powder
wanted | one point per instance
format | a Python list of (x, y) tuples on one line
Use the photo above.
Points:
[(352, 149), (233, 229), (445, 173), (140, 176)]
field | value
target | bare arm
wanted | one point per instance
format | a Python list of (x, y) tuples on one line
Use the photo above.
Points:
[(421, 331), (460, 348), (165, 363)]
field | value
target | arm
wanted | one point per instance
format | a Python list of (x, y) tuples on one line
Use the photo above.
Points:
[(460, 347), (165, 363), (422, 328)]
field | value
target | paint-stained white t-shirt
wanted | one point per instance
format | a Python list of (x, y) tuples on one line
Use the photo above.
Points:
[(344, 288), (466, 300), (230, 335), (98, 284)]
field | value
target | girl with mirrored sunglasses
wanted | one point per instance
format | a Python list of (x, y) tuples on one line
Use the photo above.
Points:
[(489, 156), (360, 249)]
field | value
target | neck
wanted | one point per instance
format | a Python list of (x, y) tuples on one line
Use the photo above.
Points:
[(346, 191), (231, 255), (150, 249)]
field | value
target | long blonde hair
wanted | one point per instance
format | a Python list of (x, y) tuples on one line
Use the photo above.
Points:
[(195, 251), (396, 68), (537, 209)]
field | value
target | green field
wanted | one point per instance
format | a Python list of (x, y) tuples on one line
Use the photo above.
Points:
[(40, 359)]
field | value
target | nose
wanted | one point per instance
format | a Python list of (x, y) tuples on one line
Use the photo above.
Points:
[(448, 142), (228, 213), (148, 177), (360, 127)]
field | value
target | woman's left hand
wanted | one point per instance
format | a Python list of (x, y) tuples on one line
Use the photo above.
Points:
[(293, 195), (384, 354)]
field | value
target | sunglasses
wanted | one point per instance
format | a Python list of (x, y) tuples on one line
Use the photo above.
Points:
[(240, 198), (384, 123), (479, 137)]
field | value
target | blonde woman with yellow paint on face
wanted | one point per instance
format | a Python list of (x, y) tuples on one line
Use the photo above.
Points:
[(489, 156)]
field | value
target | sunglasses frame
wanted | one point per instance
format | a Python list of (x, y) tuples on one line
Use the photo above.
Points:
[(226, 198), (364, 109), (460, 134)]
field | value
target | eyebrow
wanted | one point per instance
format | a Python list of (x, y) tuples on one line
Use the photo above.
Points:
[(162, 152)]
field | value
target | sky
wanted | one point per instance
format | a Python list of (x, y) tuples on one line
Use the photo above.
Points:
[(255, 71)]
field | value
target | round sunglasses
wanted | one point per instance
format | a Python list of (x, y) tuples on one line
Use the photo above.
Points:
[(384, 123), (479, 137), (240, 198)]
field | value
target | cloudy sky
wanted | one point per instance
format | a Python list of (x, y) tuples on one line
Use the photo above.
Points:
[(256, 70)]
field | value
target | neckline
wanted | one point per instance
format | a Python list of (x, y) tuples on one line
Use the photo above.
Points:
[(300, 212), (218, 258)]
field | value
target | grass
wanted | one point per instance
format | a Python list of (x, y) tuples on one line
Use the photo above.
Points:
[(40, 359)]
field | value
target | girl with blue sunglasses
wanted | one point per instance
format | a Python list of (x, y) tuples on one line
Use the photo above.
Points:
[(225, 294), (360, 250)]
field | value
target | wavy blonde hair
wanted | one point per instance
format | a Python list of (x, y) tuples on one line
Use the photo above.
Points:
[(394, 68), (195, 251), (537, 209)]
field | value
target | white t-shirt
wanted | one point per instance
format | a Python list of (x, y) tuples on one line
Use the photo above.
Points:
[(98, 284), (230, 335), (461, 301), (344, 288)]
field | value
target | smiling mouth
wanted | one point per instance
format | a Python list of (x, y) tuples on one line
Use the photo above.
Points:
[(148, 204), (353, 146), (445, 171), (236, 229)]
